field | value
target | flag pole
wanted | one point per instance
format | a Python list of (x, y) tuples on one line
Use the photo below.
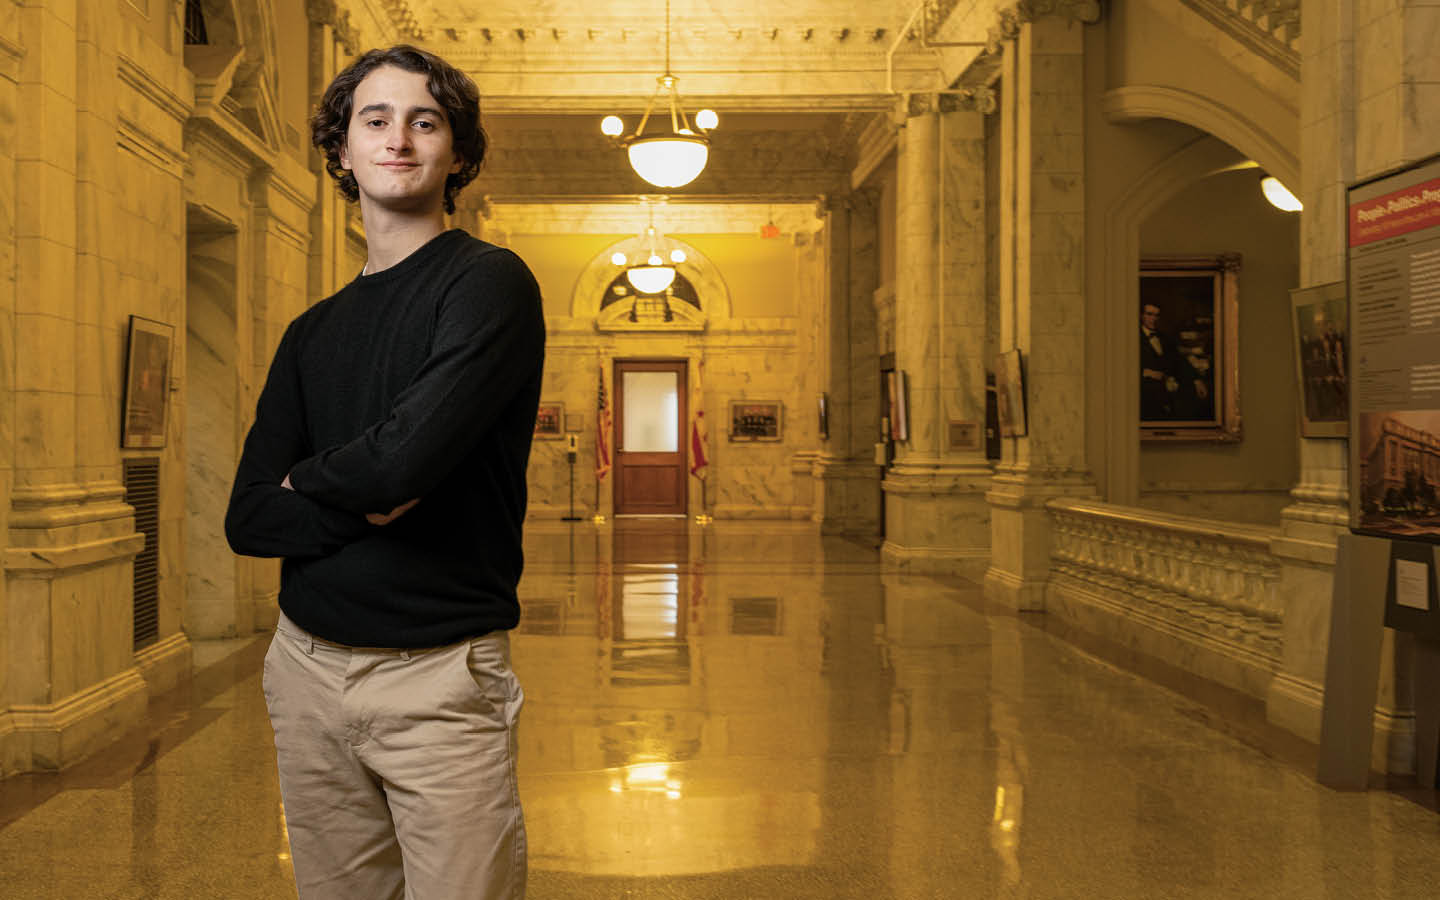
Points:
[(602, 442)]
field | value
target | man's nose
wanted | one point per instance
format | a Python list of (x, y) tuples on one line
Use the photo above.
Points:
[(398, 140)]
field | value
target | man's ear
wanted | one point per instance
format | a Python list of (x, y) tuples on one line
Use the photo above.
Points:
[(457, 165), (345, 155)]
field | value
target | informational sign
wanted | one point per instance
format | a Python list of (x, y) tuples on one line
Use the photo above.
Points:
[(1394, 289)]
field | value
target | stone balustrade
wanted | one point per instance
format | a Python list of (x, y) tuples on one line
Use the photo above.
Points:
[(1206, 585)]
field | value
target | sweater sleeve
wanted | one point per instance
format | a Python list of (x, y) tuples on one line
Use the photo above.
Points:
[(265, 518), (489, 342)]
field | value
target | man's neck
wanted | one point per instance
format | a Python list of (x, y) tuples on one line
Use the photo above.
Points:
[(391, 236)]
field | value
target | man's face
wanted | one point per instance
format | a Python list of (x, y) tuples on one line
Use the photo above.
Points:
[(1150, 317), (398, 145)]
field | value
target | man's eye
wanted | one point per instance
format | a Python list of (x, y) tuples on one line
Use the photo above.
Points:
[(424, 125), (375, 122)]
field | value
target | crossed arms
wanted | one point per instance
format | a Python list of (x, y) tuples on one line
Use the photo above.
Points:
[(489, 341)]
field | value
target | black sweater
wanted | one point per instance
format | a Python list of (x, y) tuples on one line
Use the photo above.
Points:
[(418, 381)]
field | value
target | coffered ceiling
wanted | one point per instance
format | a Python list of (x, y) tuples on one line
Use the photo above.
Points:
[(572, 56), (794, 83)]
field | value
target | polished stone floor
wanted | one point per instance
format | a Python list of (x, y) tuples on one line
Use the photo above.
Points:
[(751, 711)]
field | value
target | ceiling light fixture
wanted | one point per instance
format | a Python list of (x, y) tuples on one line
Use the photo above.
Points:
[(1279, 195), (653, 270), (666, 160)]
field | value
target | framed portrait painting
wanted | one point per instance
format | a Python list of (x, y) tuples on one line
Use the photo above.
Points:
[(549, 419), (1321, 316), (897, 395), (1189, 348), (147, 384), (1010, 394)]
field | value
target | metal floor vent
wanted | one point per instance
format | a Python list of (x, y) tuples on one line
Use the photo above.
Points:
[(142, 491)]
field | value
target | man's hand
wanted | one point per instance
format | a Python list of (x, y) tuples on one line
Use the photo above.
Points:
[(372, 518), (387, 518)]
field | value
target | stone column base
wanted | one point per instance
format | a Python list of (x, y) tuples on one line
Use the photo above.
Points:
[(52, 736), (1020, 532), (165, 664), (936, 518), (847, 495), (771, 512)]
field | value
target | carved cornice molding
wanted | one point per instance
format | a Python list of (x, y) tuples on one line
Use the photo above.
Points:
[(979, 99), (1087, 12), (328, 12), (1011, 16), (403, 18), (161, 95), (322, 12)]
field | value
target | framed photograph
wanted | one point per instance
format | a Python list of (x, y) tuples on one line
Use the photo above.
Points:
[(824, 409), (1010, 394), (548, 421), (147, 384), (754, 421), (897, 398), (574, 423), (1322, 338), (1189, 348)]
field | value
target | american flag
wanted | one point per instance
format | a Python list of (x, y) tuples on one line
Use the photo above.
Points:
[(602, 430)]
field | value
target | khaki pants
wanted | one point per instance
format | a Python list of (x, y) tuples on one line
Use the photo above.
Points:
[(397, 768)]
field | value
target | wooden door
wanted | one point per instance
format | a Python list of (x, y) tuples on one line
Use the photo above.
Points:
[(650, 424)]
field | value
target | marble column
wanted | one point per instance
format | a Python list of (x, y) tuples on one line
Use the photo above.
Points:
[(1367, 77), (847, 481), (1042, 301), (331, 41), (68, 676), (936, 517)]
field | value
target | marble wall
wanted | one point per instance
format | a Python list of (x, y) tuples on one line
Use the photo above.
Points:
[(211, 360), (138, 162), (761, 300)]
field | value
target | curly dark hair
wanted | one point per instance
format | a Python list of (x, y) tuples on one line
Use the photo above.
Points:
[(453, 89)]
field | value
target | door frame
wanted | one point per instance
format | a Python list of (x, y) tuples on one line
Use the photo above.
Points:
[(681, 366)]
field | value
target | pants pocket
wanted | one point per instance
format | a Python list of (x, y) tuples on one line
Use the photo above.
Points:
[(487, 660)]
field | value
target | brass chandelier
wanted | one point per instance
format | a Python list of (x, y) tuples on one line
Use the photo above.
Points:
[(672, 159)]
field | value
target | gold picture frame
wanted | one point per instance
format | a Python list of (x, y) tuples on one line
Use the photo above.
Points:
[(1189, 378), (147, 384), (549, 421), (1321, 319), (752, 420), (1010, 394)]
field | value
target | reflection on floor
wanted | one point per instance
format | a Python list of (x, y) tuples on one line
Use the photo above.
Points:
[(752, 711)]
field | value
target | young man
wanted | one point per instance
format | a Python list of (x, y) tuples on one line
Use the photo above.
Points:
[(387, 466)]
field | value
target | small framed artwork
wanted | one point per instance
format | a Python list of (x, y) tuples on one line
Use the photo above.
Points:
[(1322, 339), (1190, 348), (147, 384), (1010, 394), (754, 421), (897, 401), (965, 435), (574, 423), (824, 417), (548, 419)]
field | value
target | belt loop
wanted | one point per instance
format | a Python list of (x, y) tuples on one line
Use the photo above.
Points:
[(309, 646), (405, 655)]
